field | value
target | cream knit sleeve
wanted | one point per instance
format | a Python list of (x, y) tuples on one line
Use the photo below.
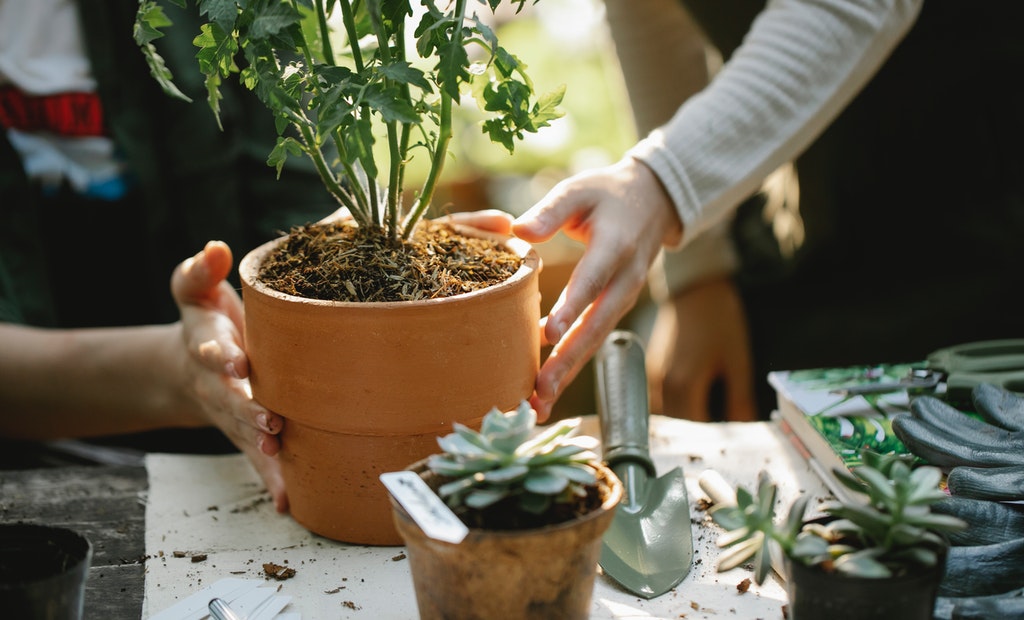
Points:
[(801, 62)]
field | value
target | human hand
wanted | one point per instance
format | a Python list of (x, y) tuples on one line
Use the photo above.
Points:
[(216, 368), (623, 215), (700, 336), (986, 456), (490, 220)]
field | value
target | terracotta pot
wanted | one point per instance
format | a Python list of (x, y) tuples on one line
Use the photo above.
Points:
[(534, 574), (367, 388)]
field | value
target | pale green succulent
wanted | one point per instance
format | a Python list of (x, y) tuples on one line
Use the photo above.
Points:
[(894, 530), (506, 460)]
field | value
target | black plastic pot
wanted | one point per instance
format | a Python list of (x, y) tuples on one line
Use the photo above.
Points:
[(815, 594), (42, 572)]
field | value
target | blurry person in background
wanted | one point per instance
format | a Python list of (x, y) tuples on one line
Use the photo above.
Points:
[(885, 135)]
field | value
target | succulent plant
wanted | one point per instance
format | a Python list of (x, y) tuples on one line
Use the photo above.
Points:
[(506, 459), (893, 531)]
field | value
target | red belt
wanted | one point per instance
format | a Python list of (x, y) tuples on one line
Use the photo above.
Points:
[(66, 114)]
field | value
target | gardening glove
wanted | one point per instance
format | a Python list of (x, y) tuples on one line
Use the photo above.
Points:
[(987, 558), (986, 456), (988, 522), (1008, 606)]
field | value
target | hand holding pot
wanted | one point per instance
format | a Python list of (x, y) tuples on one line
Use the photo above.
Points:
[(216, 369), (623, 215)]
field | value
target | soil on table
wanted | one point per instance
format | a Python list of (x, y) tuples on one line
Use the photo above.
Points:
[(339, 261)]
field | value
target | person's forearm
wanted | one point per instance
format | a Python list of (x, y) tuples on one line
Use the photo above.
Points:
[(802, 62), (662, 55), (89, 382)]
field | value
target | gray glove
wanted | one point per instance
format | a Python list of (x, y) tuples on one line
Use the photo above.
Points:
[(986, 456), (987, 558), (1008, 606)]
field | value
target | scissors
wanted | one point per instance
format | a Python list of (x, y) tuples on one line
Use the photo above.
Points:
[(961, 367)]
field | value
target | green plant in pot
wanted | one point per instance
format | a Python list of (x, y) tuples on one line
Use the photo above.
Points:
[(372, 332), (879, 559), (536, 506)]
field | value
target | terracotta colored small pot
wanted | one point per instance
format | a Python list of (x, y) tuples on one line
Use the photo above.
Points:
[(367, 388), (535, 574)]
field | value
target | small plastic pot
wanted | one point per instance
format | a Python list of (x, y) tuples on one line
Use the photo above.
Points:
[(43, 571), (813, 593)]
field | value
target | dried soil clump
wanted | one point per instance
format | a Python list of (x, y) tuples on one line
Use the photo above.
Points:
[(343, 262)]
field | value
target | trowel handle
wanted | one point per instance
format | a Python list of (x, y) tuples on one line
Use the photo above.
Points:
[(622, 406)]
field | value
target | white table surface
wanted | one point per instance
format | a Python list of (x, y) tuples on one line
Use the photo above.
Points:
[(216, 505)]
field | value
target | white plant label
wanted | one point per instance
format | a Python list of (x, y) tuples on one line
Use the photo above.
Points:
[(433, 516)]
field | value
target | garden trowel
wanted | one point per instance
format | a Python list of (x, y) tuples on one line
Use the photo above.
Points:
[(648, 548)]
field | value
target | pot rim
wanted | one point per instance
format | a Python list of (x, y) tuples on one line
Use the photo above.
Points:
[(73, 544), (248, 269), (611, 502)]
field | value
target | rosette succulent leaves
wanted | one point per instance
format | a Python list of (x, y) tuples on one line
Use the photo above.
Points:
[(894, 531), (505, 459)]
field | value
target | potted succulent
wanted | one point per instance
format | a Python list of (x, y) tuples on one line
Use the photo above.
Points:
[(882, 559), (535, 506), (371, 333)]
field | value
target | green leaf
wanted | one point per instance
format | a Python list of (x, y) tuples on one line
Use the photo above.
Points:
[(810, 549), (161, 73), (795, 518), (919, 556), (533, 503), (904, 534), (736, 536), (452, 63), (274, 20), (549, 438), (545, 483), (284, 147), (389, 103), (455, 487), (728, 517), (149, 19), (505, 475), (222, 12), (939, 522), (482, 498), (740, 553), (547, 108), (403, 72), (582, 474), (359, 145), (496, 422), (862, 564), (866, 517), (766, 492), (878, 486), (447, 466), (924, 486), (560, 454), (762, 562), (458, 444)]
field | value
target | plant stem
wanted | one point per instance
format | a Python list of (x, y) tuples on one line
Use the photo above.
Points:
[(325, 33), (395, 156), (444, 137), (353, 37), (326, 175)]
